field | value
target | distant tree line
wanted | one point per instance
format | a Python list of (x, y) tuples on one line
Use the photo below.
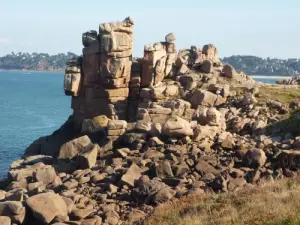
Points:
[(253, 65), (35, 61)]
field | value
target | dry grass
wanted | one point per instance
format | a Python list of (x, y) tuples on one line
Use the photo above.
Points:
[(276, 203), (281, 93)]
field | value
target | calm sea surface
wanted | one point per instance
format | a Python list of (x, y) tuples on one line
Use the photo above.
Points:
[(31, 105)]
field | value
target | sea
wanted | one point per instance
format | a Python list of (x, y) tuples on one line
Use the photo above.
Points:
[(32, 104)]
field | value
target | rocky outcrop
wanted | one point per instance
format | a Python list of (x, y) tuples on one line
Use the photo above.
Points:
[(143, 132)]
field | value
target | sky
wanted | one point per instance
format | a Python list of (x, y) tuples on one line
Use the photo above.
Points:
[(265, 28)]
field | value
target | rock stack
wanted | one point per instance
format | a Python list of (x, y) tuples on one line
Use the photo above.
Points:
[(106, 69)]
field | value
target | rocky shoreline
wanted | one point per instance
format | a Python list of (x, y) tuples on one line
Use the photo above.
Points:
[(190, 125)]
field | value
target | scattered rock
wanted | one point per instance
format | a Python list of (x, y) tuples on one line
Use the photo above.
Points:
[(45, 207)]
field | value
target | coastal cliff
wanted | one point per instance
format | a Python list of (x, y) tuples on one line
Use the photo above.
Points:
[(147, 131)]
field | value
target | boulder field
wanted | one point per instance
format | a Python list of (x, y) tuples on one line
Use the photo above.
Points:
[(182, 123)]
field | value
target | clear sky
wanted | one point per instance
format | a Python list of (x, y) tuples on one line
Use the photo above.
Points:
[(248, 27)]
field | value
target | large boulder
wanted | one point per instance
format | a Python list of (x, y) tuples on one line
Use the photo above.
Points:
[(177, 127), (45, 207), (72, 148), (87, 159), (254, 158), (131, 175), (45, 174), (213, 117), (228, 71), (203, 97), (14, 210)]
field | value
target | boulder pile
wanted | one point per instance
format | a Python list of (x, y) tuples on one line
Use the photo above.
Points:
[(143, 132), (293, 81)]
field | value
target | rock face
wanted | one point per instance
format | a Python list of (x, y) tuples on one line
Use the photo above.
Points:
[(143, 132), (176, 126), (72, 148), (45, 207)]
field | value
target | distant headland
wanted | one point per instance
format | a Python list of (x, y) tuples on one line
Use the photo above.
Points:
[(251, 65)]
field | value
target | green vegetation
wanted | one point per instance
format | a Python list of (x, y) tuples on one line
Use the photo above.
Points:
[(35, 61)]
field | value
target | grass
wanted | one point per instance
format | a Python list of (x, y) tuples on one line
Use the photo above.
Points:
[(276, 203), (281, 93)]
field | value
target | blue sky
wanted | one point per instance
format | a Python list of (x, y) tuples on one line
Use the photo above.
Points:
[(257, 27)]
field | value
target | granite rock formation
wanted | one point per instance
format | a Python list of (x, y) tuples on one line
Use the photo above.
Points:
[(143, 132)]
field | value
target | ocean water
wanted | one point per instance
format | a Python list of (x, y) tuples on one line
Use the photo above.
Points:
[(266, 80), (31, 105)]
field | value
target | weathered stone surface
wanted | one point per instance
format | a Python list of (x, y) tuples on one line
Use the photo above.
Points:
[(163, 195), (132, 175), (46, 175), (176, 126), (14, 210), (88, 157), (116, 124), (163, 169), (170, 38), (203, 168), (5, 220), (228, 71), (45, 207), (255, 158), (72, 148), (202, 97)]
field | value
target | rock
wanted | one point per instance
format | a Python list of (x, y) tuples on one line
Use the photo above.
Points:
[(45, 207), (143, 126), (213, 117), (207, 66), (163, 195), (123, 152), (254, 158), (163, 169), (248, 99), (202, 97), (14, 210), (203, 168), (227, 144), (153, 154), (170, 38), (82, 213), (46, 175), (72, 148), (180, 169), (88, 157), (116, 124), (228, 71), (5, 220), (70, 184), (155, 141), (132, 175), (183, 70), (177, 127), (70, 204), (112, 217), (202, 132), (94, 125)]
